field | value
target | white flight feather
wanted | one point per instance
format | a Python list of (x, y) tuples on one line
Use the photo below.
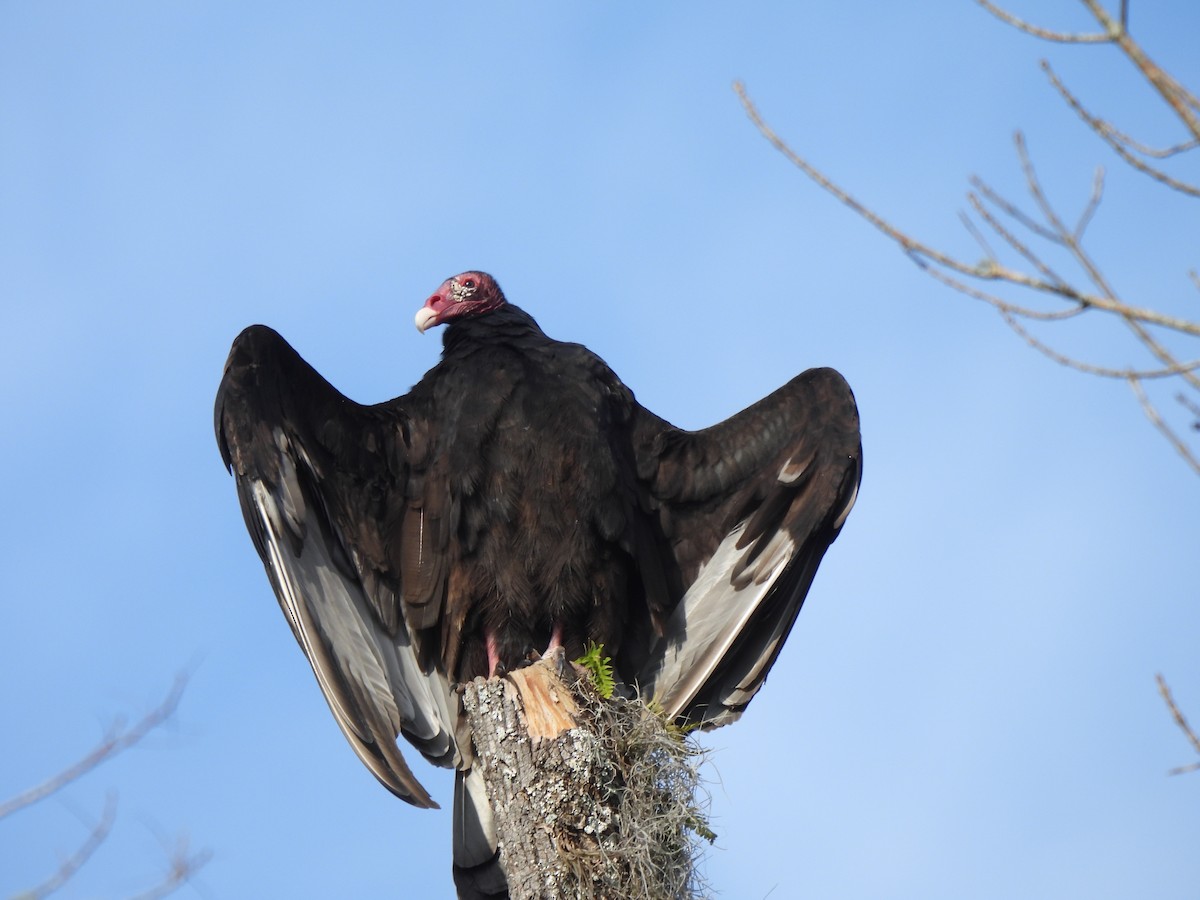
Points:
[(841, 519), (708, 620), (318, 599)]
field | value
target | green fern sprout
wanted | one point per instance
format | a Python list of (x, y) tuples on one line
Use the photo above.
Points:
[(600, 668)]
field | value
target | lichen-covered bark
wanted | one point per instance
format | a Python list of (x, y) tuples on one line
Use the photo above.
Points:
[(543, 773)]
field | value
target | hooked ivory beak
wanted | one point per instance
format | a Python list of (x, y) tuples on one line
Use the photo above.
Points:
[(424, 318)]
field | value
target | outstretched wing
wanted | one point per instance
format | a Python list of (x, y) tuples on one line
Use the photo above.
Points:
[(748, 508), (321, 481)]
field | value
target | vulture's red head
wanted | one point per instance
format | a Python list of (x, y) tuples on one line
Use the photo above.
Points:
[(468, 294)]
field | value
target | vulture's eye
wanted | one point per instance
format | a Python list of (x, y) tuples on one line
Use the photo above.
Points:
[(469, 284)]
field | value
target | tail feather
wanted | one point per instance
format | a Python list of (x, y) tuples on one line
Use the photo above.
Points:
[(478, 874)]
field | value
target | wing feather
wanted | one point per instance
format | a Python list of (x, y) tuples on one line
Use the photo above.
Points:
[(321, 482), (749, 508)]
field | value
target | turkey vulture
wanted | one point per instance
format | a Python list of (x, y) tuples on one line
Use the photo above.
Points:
[(518, 498)]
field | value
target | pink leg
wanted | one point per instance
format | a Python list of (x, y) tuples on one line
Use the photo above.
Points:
[(556, 640), (493, 654)]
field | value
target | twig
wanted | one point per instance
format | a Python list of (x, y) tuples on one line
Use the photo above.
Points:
[(906, 242), (1106, 134), (1060, 37), (1011, 239), (1191, 406), (1180, 447), (1154, 152), (1059, 231), (183, 867), (1013, 211), (1004, 305), (1091, 368), (1181, 722), (115, 742), (1186, 371), (72, 864), (988, 253), (1085, 218)]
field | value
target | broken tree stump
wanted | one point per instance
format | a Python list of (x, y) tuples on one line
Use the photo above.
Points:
[(592, 797)]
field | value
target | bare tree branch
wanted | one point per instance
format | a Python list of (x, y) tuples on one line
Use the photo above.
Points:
[(1181, 722), (1179, 98), (1148, 327), (117, 740), (987, 271), (1116, 31), (1092, 270), (182, 864)]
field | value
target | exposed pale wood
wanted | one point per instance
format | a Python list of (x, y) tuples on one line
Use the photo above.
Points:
[(547, 704)]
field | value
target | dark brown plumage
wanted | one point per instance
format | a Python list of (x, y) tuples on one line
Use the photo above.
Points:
[(519, 498)]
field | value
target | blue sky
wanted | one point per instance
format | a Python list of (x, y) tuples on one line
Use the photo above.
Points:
[(966, 707)]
